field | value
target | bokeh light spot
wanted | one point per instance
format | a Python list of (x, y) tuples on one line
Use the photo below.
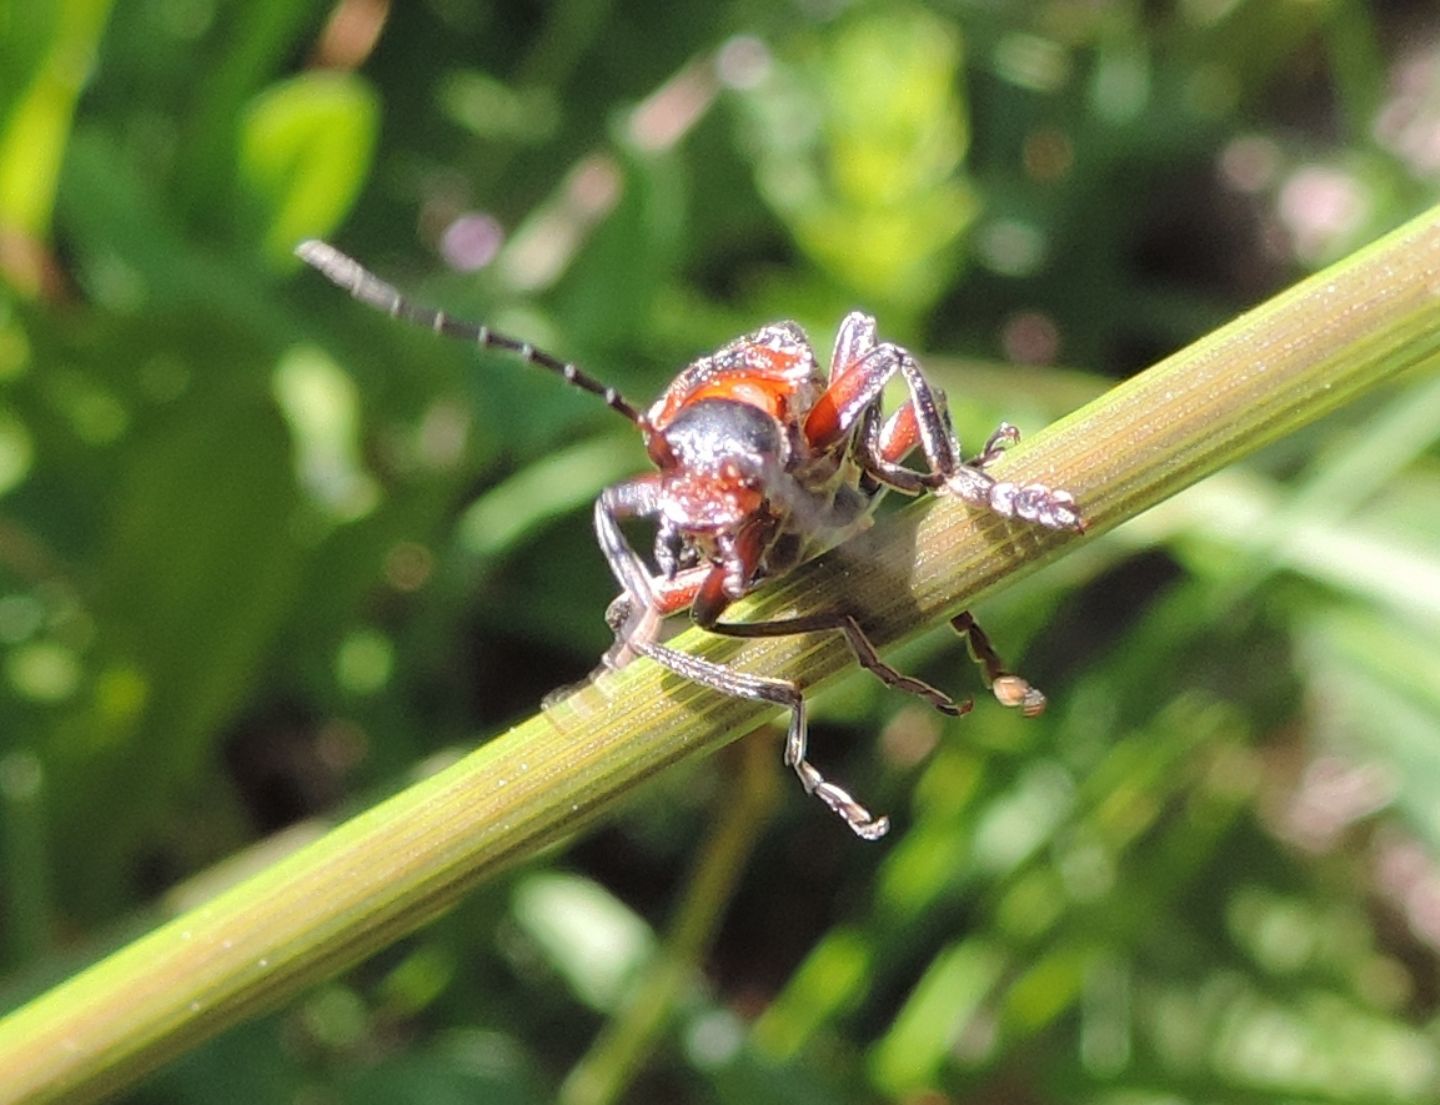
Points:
[(43, 671), (364, 662)]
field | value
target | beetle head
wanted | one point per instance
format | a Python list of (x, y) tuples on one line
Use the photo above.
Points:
[(718, 460)]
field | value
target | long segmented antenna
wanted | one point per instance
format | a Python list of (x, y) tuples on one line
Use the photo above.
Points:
[(347, 273)]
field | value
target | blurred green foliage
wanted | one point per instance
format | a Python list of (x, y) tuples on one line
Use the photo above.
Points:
[(264, 554)]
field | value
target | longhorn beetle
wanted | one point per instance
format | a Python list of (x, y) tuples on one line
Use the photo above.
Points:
[(763, 462)]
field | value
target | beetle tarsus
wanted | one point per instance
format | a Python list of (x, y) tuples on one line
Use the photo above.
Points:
[(1009, 689)]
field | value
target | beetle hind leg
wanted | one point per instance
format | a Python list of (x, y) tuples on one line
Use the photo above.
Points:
[(1008, 688)]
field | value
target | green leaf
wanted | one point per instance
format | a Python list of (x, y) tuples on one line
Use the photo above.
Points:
[(305, 151), (42, 60)]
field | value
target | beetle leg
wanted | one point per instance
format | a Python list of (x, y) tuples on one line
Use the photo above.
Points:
[(855, 391), (707, 600), (710, 599), (637, 498), (741, 685), (1010, 689), (632, 624), (884, 445), (1005, 435), (719, 677), (853, 340), (922, 420), (743, 554), (1032, 503), (670, 596), (860, 645), (642, 598), (853, 388)]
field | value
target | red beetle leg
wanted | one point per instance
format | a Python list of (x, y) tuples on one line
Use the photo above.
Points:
[(884, 445), (1035, 502), (675, 595), (900, 434), (856, 387)]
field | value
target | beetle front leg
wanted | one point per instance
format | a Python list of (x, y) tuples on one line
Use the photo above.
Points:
[(922, 420), (637, 498), (1005, 435)]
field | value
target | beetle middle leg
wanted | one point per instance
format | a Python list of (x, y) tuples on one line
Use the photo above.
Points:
[(860, 645), (738, 684), (1009, 689), (717, 588)]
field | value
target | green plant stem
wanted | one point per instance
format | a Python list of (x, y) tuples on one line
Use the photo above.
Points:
[(388, 871)]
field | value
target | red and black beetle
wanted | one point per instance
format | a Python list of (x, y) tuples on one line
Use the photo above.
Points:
[(763, 461)]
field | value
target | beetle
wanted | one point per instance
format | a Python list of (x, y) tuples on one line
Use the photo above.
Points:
[(762, 461)]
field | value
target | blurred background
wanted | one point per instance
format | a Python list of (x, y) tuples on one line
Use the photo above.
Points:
[(266, 556)]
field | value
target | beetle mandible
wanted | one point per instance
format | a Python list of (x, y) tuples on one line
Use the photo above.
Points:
[(763, 461)]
